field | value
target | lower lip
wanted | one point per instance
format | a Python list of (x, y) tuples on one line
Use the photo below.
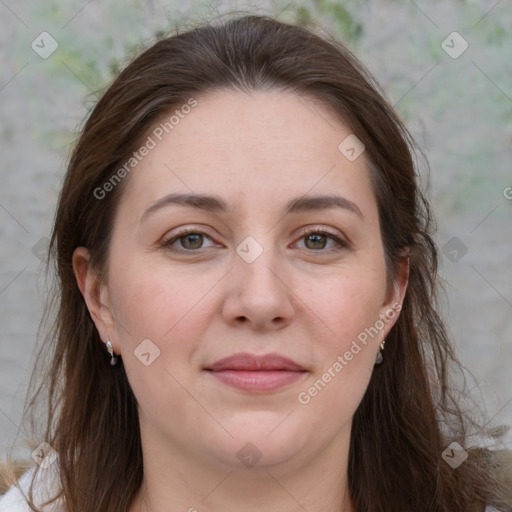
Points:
[(257, 381)]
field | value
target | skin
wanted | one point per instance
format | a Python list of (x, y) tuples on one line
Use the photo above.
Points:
[(301, 298)]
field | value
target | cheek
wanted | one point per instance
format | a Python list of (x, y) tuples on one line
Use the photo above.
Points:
[(173, 310), (351, 303), (166, 309), (350, 308), (154, 299), (345, 360)]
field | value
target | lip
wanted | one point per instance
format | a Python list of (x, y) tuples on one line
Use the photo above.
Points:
[(252, 362), (255, 373)]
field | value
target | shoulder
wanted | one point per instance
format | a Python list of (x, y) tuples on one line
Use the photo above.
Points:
[(45, 487), (498, 443), (13, 500)]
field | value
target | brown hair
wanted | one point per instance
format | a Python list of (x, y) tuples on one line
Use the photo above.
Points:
[(410, 411)]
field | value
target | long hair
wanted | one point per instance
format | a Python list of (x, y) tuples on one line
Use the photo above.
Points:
[(410, 411)]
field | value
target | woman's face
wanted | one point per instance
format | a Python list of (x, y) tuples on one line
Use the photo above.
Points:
[(248, 279)]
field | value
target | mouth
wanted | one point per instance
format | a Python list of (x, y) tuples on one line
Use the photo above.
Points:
[(257, 374)]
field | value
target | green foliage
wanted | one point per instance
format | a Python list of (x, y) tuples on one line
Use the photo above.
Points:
[(303, 17), (345, 23), (331, 14)]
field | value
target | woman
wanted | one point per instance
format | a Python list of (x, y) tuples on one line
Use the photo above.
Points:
[(247, 295)]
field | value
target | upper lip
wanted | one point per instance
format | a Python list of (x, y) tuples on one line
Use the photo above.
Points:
[(251, 362)]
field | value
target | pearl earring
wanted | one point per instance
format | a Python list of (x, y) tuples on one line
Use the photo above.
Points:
[(110, 349), (379, 357)]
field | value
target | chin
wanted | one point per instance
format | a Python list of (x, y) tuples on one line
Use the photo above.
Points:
[(264, 440)]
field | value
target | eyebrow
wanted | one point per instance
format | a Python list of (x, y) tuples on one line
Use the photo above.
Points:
[(216, 204)]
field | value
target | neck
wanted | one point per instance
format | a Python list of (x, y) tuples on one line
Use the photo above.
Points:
[(183, 483)]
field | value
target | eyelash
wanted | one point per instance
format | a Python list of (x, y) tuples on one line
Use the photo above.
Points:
[(343, 244)]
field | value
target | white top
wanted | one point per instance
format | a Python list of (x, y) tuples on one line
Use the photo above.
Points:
[(14, 501)]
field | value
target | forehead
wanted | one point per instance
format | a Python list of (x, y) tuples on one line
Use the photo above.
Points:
[(256, 149)]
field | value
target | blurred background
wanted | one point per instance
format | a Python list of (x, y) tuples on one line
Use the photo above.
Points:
[(447, 69)]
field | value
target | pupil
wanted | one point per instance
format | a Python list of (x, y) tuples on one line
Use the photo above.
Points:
[(195, 245), (315, 239)]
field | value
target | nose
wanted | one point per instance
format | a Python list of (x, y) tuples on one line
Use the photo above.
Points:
[(259, 293)]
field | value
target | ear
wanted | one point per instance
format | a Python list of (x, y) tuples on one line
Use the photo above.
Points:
[(395, 295), (95, 294)]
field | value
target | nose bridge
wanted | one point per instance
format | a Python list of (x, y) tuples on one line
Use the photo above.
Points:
[(259, 292), (258, 260)]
